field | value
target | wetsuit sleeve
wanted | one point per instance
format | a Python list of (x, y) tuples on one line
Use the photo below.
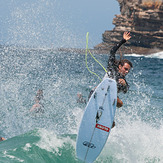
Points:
[(111, 60)]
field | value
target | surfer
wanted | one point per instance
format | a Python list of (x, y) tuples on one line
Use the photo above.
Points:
[(118, 69), (38, 107), (2, 139)]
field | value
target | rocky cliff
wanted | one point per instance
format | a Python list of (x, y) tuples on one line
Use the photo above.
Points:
[(144, 19)]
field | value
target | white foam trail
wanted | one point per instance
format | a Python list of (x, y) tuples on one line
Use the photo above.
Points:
[(51, 142), (16, 159), (134, 55), (27, 147), (154, 55)]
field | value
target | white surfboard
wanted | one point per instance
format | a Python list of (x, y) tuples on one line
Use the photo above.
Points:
[(97, 121)]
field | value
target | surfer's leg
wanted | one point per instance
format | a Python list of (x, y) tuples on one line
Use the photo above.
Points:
[(119, 103)]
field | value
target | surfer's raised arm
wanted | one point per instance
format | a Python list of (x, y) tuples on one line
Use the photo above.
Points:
[(112, 62), (126, 37)]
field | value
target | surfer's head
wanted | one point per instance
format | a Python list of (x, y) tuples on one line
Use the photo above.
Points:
[(39, 95), (2, 139), (124, 67)]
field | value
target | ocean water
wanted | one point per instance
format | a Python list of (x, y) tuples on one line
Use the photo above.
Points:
[(50, 137)]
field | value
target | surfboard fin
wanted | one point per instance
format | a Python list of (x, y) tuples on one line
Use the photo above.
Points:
[(98, 115), (95, 95), (114, 101)]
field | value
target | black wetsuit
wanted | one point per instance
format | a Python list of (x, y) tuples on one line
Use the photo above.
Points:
[(113, 69)]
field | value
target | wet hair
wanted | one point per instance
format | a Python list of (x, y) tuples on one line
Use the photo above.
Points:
[(39, 94), (123, 61), (1, 139)]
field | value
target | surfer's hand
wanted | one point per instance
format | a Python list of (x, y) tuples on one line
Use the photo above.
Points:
[(119, 103), (122, 81), (126, 36)]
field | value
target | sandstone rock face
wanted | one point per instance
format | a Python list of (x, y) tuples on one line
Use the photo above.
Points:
[(144, 19)]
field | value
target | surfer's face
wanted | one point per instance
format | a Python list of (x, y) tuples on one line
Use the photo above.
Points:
[(124, 70)]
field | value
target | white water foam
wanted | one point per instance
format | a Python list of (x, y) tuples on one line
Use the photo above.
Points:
[(136, 142), (51, 142), (154, 55), (15, 159)]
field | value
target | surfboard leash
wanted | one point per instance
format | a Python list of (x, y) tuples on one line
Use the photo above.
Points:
[(86, 53)]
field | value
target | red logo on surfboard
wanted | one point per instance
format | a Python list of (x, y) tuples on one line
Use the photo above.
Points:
[(101, 127)]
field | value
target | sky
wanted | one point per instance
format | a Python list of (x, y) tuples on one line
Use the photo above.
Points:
[(55, 23)]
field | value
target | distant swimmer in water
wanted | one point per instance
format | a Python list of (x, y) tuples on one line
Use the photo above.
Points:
[(38, 106), (80, 98), (2, 139)]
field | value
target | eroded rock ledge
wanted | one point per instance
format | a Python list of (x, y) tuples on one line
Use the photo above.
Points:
[(144, 19)]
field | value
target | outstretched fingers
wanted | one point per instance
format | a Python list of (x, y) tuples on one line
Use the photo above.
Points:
[(126, 35)]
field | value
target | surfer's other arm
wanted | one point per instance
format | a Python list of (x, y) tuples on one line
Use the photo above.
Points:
[(119, 103)]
